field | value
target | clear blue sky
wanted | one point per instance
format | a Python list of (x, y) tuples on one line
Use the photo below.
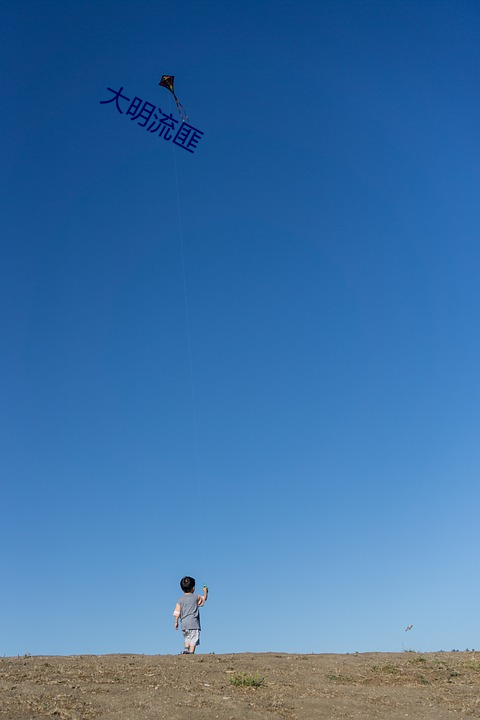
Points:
[(330, 219)]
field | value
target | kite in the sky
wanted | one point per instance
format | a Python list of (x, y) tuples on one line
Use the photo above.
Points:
[(408, 628), (167, 82)]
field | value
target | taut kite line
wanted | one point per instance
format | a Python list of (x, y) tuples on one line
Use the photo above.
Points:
[(167, 82)]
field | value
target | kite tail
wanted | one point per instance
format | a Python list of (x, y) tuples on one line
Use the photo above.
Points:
[(181, 109)]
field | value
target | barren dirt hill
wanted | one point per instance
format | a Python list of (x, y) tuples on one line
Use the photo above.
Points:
[(248, 686)]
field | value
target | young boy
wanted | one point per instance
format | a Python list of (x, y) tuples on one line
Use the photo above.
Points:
[(187, 610)]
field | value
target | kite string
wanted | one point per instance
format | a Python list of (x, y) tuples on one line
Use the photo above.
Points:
[(190, 362)]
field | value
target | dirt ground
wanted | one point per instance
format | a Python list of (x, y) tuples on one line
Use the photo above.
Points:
[(436, 686)]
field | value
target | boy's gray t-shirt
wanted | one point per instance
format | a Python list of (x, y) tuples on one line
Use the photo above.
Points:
[(189, 613)]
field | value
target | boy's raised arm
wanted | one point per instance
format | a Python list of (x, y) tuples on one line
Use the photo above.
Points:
[(202, 599)]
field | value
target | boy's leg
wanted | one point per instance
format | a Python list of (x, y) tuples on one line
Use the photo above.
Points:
[(192, 638), (196, 641)]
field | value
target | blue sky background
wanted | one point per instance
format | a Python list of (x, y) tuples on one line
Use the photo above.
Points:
[(330, 231)]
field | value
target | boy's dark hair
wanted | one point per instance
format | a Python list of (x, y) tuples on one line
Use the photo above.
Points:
[(187, 584)]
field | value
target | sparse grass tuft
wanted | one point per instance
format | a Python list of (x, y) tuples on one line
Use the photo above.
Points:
[(247, 680), (332, 676), (473, 664), (391, 669), (340, 678)]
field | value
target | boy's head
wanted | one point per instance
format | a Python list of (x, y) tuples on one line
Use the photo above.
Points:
[(187, 584)]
